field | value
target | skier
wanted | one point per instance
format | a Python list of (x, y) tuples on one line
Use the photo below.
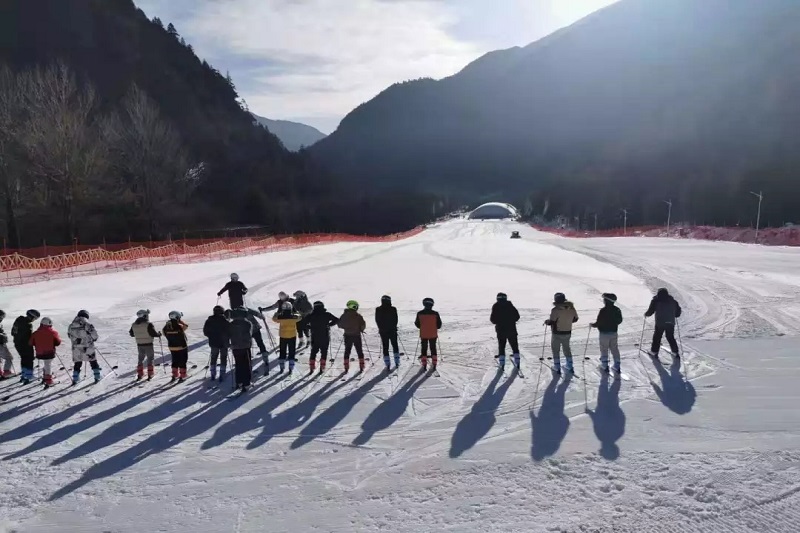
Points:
[(561, 319), (304, 308), (505, 317), (282, 298), (287, 320), (22, 331), (667, 311), (429, 323), (236, 291), (608, 320), (353, 325), (240, 332), (83, 335), (144, 332), (386, 320), (5, 353), (217, 330), (254, 316), (45, 340), (175, 332), (319, 323)]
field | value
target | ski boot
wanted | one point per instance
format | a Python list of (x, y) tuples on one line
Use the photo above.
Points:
[(517, 361), (388, 362), (396, 361), (97, 376), (501, 363), (76, 377)]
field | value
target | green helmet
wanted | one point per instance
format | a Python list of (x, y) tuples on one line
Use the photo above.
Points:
[(352, 304)]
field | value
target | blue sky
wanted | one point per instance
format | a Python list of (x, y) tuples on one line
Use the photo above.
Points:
[(313, 61)]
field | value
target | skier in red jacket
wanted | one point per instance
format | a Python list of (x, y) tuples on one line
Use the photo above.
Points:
[(45, 340)]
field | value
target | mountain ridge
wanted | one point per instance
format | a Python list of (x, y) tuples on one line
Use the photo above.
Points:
[(293, 135)]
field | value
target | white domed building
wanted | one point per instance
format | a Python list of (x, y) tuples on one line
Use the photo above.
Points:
[(494, 211)]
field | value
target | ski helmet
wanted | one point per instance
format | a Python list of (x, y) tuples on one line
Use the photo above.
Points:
[(662, 292), (83, 313), (386, 299), (352, 304), (175, 315), (610, 296), (502, 297), (33, 314), (234, 277), (319, 305), (2, 315), (46, 322), (219, 310), (300, 295), (143, 313), (427, 302), (286, 306), (283, 296), (559, 298)]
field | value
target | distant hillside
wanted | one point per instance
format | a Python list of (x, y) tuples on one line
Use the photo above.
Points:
[(644, 101), (293, 135)]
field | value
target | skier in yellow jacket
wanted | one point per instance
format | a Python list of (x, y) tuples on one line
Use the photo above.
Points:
[(561, 319), (287, 320)]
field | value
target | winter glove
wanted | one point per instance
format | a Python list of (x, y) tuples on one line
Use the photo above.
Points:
[(574, 320), (548, 322), (593, 325)]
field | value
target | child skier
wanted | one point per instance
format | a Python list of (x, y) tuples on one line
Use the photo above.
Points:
[(353, 325), (217, 330), (240, 333), (144, 332), (561, 319), (608, 320), (505, 317), (45, 340), (236, 291), (282, 298), (22, 331), (304, 308), (386, 320), (83, 336), (175, 332), (319, 323), (5, 353), (667, 311), (429, 323), (287, 320)]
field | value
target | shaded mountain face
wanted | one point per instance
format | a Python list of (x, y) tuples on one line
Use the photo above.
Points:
[(293, 135), (638, 103)]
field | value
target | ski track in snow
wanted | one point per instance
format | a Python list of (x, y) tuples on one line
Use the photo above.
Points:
[(711, 445)]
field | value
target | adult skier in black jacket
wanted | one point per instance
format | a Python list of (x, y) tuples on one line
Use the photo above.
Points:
[(319, 323), (386, 320), (505, 317), (216, 329), (240, 332), (236, 291), (667, 311)]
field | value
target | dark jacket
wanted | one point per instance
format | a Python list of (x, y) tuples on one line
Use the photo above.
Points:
[(320, 322), (277, 305), (254, 316), (505, 317), (608, 319), (176, 338), (386, 318), (303, 306), (240, 332), (236, 291), (352, 323), (22, 331), (666, 309), (3, 336), (216, 329), (429, 323)]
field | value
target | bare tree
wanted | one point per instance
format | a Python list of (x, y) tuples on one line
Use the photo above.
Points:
[(12, 116), (62, 139), (151, 157)]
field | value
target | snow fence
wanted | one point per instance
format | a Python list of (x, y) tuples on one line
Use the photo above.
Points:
[(786, 236), (45, 263)]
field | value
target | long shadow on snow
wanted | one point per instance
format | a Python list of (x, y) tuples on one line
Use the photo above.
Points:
[(255, 418), (51, 420), (551, 425), (62, 434), (481, 418), (333, 415), (608, 418), (173, 434), (388, 412), (295, 416), (677, 394)]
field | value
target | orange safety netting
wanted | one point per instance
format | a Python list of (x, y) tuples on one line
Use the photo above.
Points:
[(45, 263)]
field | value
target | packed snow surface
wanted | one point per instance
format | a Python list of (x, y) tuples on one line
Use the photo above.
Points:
[(709, 444)]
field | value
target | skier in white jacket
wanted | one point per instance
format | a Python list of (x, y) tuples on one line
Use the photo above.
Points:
[(83, 336)]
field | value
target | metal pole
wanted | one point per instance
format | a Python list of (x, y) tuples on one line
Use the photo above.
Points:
[(625, 222), (669, 212), (595, 222), (760, 196)]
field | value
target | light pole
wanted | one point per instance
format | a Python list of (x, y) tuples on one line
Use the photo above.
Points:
[(625, 223), (760, 196), (669, 212), (595, 222)]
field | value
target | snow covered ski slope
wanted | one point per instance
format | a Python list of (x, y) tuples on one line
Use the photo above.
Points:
[(713, 444)]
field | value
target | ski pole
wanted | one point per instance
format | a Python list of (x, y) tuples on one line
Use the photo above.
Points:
[(366, 345), (583, 369), (440, 355), (680, 347), (113, 368), (640, 349), (544, 343), (163, 359), (403, 345), (62, 363)]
